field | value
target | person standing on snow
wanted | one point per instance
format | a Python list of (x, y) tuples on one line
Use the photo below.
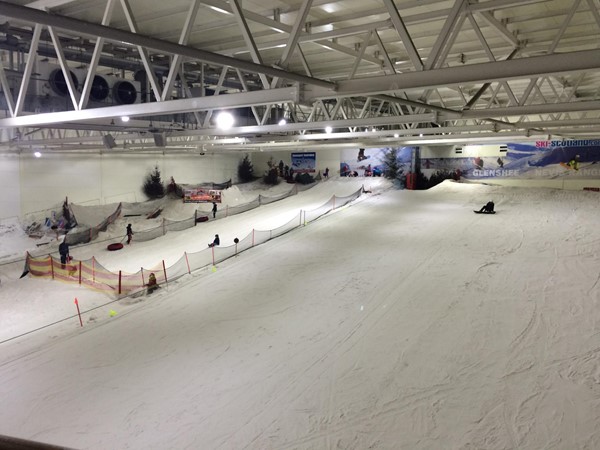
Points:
[(129, 234), (63, 250), (214, 210)]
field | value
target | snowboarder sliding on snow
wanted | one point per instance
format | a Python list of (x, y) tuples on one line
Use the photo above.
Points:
[(215, 242), (487, 208), (129, 234)]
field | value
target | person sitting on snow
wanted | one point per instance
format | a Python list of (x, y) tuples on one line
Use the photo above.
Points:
[(152, 284), (488, 207), (215, 242)]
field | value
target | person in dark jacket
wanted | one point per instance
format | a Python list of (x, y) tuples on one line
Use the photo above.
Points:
[(63, 250), (215, 242), (488, 207), (214, 210), (129, 234)]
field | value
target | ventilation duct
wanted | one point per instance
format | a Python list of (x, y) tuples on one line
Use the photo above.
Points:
[(160, 140), (108, 141)]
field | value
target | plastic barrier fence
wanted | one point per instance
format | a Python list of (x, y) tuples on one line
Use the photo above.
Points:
[(92, 274)]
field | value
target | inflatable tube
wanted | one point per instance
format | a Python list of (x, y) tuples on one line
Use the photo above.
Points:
[(202, 219), (115, 246)]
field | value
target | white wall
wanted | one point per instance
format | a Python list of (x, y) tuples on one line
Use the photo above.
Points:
[(10, 187), (31, 184)]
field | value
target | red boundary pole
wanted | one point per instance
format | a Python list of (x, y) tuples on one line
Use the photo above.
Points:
[(78, 312), (80, 272), (142, 271), (213, 254), (165, 270), (253, 237), (187, 262), (52, 266), (119, 282)]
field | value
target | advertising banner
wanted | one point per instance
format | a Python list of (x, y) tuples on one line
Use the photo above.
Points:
[(201, 195), (304, 162), (572, 158), (368, 162)]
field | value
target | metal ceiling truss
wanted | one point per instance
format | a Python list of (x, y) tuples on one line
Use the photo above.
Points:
[(385, 82)]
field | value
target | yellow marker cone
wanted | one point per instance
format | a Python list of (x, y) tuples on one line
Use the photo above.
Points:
[(112, 313), (214, 268)]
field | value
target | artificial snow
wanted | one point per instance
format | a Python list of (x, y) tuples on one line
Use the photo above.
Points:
[(401, 321)]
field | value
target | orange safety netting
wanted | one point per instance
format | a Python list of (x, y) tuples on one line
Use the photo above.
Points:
[(92, 274)]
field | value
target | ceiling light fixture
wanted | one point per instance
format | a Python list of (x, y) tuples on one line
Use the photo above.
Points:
[(328, 130), (225, 121)]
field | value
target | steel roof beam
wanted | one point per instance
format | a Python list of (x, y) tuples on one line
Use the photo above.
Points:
[(473, 73), (402, 31), (158, 108), (115, 34)]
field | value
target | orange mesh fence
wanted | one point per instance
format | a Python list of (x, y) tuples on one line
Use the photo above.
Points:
[(93, 275)]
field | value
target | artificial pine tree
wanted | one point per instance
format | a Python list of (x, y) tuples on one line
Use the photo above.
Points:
[(390, 162), (245, 170), (153, 185)]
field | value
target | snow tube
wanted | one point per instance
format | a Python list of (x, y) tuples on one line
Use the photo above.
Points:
[(115, 246), (202, 219)]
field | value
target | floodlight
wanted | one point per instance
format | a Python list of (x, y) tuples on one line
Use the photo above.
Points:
[(225, 120)]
